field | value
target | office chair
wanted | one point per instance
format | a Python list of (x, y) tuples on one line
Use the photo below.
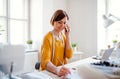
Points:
[(37, 65)]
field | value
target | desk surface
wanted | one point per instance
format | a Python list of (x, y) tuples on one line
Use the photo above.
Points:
[(84, 70)]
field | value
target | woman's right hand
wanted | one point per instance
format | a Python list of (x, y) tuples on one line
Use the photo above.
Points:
[(63, 71), (67, 30)]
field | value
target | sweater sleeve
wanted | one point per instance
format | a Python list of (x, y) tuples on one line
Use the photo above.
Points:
[(45, 53), (68, 53)]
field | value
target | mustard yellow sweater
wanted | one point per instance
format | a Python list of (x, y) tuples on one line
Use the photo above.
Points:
[(50, 45)]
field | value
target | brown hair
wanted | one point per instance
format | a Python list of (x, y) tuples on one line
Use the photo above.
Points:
[(58, 15)]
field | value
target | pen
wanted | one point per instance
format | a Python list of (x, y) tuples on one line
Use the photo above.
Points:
[(68, 72), (60, 62)]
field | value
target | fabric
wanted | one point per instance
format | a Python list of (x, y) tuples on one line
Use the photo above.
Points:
[(50, 45)]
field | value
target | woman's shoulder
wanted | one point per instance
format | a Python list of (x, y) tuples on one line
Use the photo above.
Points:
[(48, 35)]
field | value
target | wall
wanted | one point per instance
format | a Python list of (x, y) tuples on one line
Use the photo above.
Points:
[(36, 22), (101, 32), (83, 22), (47, 13)]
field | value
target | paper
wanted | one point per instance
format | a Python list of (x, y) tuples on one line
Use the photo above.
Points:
[(36, 75), (73, 75)]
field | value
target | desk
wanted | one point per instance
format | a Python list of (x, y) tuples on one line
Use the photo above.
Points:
[(84, 70), (77, 55)]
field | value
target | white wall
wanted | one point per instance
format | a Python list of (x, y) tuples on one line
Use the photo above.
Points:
[(83, 21), (36, 23), (47, 13), (102, 42), (60, 4)]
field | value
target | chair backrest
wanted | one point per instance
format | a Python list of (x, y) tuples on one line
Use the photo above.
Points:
[(12, 54), (37, 65)]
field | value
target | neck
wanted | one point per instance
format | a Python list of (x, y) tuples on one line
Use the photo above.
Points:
[(57, 35), (56, 32)]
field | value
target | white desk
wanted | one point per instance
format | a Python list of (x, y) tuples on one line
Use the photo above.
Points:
[(84, 70), (77, 55)]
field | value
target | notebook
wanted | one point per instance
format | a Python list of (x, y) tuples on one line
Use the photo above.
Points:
[(73, 75)]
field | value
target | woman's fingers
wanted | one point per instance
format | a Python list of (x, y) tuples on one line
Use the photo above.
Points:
[(67, 28), (64, 71)]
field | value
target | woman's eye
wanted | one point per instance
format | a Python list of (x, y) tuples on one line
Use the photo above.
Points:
[(60, 22), (64, 22)]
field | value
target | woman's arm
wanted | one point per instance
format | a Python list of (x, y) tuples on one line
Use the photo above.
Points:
[(52, 68), (60, 71), (68, 51), (68, 45), (67, 33)]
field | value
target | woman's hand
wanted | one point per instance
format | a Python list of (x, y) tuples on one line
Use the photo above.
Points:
[(60, 71), (63, 71), (67, 30)]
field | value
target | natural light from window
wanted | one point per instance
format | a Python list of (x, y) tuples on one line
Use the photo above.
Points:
[(114, 29), (14, 21), (107, 35)]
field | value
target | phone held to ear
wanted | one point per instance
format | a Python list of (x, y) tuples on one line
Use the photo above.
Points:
[(66, 28)]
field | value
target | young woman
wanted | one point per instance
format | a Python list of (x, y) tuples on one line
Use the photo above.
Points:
[(56, 46)]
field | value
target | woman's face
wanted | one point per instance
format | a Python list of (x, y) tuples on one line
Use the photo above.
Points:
[(60, 25)]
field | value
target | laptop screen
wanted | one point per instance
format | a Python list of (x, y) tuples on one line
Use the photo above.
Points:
[(107, 54)]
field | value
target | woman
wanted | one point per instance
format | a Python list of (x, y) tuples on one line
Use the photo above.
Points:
[(56, 46)]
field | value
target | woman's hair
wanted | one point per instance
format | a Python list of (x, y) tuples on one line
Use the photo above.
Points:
[(58, 15)]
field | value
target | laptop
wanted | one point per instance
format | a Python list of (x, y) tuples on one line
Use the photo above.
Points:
[(106, 66), (105, 55)]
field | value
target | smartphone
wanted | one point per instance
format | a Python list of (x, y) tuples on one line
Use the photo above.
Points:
[(66, 29)]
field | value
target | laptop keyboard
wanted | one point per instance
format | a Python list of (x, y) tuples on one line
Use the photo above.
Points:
[(106, 63), (107, 67)]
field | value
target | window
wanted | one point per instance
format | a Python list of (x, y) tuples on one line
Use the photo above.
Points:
[(107, 35), (14, 21), (114, 7), (113, 31)]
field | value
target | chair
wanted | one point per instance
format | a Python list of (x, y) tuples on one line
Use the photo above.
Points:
[(37, 65)]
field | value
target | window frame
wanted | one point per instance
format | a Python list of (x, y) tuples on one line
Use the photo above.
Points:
[(7, 19)]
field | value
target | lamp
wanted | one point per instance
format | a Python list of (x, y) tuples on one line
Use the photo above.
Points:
[(114, 17), (109, 21)]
